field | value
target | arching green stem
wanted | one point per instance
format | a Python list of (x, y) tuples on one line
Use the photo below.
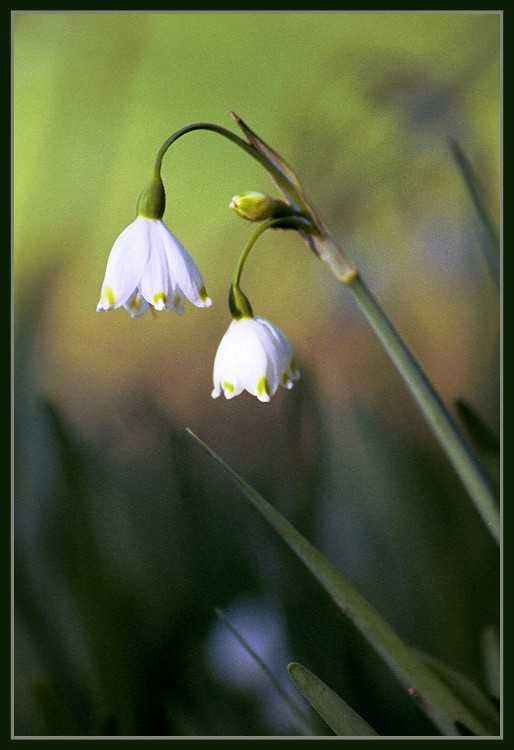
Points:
[(247, 147), (288, 186), (205, 126), (237, 301), (246, 250)]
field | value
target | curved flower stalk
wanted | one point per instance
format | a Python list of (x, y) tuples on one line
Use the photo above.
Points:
[(253, 355), (148, 266)]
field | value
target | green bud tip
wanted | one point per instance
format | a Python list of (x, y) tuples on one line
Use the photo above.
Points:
[(255, 206)]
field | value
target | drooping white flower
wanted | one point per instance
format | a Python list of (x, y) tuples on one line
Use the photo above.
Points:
[(253, 355), (149, 267)]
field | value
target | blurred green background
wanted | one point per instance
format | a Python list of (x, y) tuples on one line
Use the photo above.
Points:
[(126, 538)]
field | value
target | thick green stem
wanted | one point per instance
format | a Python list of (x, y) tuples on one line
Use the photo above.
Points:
[(439, 419)]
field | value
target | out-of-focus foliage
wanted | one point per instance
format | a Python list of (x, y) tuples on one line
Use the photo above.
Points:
[(126, 540)]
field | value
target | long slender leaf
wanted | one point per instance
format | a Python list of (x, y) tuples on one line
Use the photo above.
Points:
[(478, 430), (492, 241), (339, 716), (470, 693), (491, 656), (441, 705)]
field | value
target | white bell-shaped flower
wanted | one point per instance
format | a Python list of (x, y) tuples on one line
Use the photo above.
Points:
[(253, 355), (149, 267)]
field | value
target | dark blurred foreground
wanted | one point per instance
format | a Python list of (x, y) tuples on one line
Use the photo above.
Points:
[(127, 538)]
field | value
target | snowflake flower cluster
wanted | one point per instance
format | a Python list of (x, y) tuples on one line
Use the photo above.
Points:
[(149, 268)]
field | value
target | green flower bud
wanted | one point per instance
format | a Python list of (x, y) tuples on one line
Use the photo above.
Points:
[(152, 201), (255, 206)]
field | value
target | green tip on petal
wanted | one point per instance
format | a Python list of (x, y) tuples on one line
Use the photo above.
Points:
[(230, 387), (263, 392), (159, 300), (136, 304), (110, 297)]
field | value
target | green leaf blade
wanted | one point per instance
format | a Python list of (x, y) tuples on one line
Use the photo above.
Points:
[(433, 696), (491, 244), (468, 691), (340, 717)]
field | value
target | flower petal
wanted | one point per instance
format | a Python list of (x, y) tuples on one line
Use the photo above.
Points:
[(155, 281), (240, 359), (136, 305), (183, 272), (125, 264)]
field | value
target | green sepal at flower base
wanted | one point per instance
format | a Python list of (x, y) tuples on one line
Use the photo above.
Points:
[(238, 303), (152, 201)]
